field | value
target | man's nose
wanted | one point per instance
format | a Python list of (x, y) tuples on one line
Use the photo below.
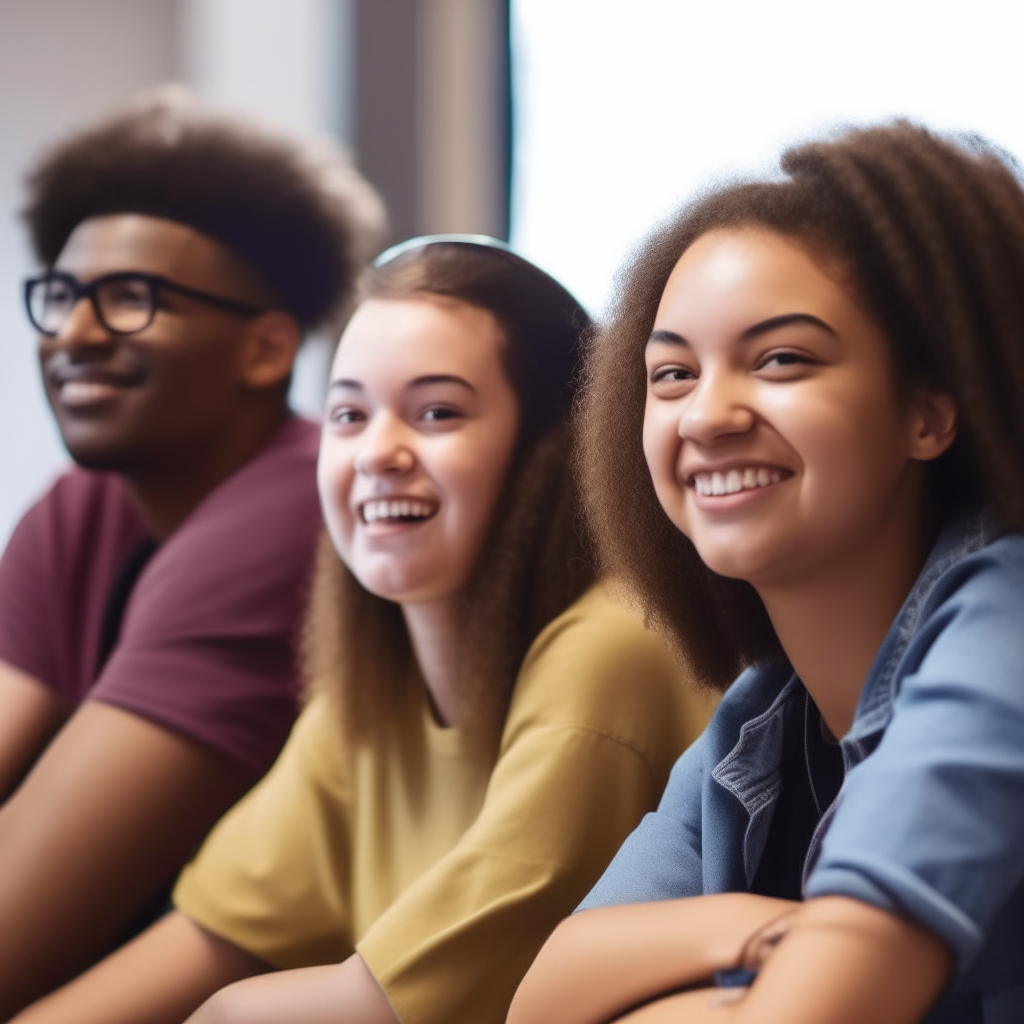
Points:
[(717, 407), (385, 448), (83, 327)]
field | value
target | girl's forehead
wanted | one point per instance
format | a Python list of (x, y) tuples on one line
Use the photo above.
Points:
[(408, 338), (746, 274), (735, 256)]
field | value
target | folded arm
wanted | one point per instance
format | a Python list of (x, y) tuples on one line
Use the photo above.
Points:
[(841, 962), (599, 963), (106, 816)]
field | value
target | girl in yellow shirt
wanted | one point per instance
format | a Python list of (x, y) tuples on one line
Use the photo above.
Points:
[(486, 724)]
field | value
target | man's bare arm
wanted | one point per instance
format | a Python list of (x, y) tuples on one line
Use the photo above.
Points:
[(105, 817), (30, 713), (158, 978), (598, 963)]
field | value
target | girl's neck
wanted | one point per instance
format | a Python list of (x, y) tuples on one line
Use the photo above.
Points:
[(832, 624), (435, 631)]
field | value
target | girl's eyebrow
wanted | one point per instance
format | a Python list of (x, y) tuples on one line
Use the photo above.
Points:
[(775, 322), (441, 378), (771, 324), (418, 382), (669, 337)]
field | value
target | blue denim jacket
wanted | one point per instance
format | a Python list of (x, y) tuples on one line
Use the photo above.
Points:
[(929, 823)]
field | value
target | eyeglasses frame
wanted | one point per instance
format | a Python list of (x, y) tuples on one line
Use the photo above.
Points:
[(152, 281)]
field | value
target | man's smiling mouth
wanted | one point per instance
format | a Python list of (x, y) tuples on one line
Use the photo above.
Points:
[(397, 510), (88, 392), (84, 384), (733, 481)]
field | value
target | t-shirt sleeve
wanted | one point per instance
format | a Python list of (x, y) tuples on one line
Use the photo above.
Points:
[(208, 640), (55, 578), (273, 876), (930, 825), (599, 715), (26, 609)]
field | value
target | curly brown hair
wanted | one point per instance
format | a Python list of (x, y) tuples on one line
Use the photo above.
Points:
[(929, 234), (299, 214), (535, 562)]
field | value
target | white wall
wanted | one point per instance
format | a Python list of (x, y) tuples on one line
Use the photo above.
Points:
[(625, 107), (62, 62), (284, 61)]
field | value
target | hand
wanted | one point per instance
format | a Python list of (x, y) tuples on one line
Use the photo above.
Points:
[(832, 961), (598, 963)]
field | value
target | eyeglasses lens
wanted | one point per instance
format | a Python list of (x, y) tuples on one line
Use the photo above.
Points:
[(51, 301), (126, 304)]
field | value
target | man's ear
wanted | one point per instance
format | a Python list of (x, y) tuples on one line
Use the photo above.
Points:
[(271, 344), (933, 424)]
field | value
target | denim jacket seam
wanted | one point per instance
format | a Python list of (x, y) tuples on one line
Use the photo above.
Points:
[(732, 771)]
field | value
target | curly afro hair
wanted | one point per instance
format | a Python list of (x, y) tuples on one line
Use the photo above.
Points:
[(299, 214), (928, 233)]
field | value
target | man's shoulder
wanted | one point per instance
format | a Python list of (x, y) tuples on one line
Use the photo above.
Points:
[(270, 507), (246, 553), (279, 481), (83, 514), (82, 494), (295, 443)]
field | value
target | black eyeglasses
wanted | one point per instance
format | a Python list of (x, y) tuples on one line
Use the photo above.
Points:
[(123, 303)]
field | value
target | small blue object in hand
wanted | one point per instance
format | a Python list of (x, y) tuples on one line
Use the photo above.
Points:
[(736, 977)]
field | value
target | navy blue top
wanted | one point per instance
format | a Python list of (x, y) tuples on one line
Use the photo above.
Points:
[(929, 822)]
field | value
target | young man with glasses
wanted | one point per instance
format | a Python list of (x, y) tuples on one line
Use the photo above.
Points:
[(150, 601)]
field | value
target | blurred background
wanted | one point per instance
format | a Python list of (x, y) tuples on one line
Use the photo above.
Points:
[(568, 126)]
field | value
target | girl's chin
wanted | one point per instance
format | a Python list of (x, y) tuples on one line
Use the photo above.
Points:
[(737, 562), (400, 590)]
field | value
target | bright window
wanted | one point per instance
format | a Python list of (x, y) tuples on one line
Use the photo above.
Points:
[(624, 107)]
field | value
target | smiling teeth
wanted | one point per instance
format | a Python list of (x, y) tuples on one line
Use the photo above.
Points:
[(77, 392), (735, 481), (403, 509)]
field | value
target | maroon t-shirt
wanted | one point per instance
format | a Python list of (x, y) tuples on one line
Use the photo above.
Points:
[(207, 639)]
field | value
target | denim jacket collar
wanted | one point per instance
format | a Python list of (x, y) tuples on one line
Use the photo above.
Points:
[(960, 538), (750, 768)]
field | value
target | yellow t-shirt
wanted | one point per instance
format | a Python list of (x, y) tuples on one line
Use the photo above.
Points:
[(446, 873)]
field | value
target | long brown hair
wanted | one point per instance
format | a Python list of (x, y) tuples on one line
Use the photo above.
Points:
[(535, 562), (929, 233)]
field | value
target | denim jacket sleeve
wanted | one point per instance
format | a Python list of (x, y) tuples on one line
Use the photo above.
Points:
[(661, 859), (931, 824)]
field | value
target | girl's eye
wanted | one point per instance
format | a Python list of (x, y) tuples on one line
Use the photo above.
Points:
[(347, 415), (672, 374), (784, 359), (438, 413)]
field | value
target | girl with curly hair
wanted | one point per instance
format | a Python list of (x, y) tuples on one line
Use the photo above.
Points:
[(802, 447)]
